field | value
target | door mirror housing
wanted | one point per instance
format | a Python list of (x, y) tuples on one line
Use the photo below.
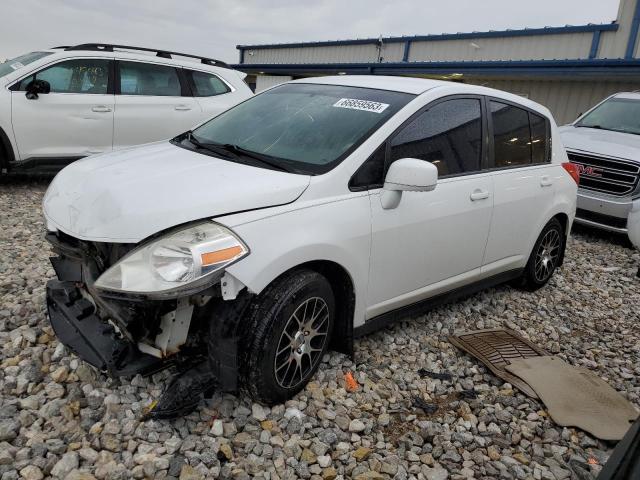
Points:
[(407, 175), (36, 87), (411, 175)]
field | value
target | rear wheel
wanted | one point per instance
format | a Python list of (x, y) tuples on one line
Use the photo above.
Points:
[(545, 256), (290, 326)]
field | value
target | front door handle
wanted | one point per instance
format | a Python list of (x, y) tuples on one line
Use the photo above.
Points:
[(182, 108), (478, 194), (101, 109), (545, 181)]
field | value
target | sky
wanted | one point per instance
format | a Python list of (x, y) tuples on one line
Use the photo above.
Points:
[(213, 28)]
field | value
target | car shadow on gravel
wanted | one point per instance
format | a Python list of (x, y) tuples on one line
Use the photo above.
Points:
[(24, 180), (592, 235)]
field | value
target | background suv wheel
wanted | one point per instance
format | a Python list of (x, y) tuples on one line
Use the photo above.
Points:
[(288, 331)]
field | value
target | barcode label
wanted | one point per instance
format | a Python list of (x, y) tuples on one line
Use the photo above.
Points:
[(366, 105)]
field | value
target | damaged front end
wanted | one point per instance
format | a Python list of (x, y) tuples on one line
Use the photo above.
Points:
[(123, 333)]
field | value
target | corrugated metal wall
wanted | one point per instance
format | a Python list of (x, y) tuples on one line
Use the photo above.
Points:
[(366, 53), (267, 81), (565, 99), (538, 47)]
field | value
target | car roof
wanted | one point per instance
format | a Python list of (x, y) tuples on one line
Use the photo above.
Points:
[(411, 85), (417, 86), (176, 60), (629, 95)]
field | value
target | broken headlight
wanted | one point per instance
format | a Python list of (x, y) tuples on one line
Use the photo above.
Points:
[(185, 258)]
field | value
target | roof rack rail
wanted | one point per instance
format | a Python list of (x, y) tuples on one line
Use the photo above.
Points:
[(106, 47)]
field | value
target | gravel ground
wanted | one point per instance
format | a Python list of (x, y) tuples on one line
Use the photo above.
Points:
[(59, 418)]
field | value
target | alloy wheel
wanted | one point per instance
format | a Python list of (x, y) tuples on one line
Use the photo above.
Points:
[(547, 255), (302, 342)]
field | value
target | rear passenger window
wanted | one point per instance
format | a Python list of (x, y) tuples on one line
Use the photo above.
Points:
[(511, 135), (207, 85), (539, 141), (449, 135), (138, 78)]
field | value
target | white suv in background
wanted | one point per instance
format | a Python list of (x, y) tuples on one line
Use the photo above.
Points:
[(66, 103), (314, 212), (605, 145)]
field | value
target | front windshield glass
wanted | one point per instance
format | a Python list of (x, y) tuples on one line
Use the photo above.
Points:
[(305, 128), (617, 114), (14, 64)]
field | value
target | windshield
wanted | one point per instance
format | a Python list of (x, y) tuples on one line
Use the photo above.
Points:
[(14, 64), (617, 114), (303, 127)]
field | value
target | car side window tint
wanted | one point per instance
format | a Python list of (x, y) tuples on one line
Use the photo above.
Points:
[(207, 85), (449, 135), (539, 138), (371, 172), (511, 135), (137, 78), (89, 76)]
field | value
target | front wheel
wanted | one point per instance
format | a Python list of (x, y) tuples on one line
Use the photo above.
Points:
[(290, 326), (545, 256)]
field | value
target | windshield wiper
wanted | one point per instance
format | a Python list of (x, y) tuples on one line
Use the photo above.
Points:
[(238, 150), (213, 148)]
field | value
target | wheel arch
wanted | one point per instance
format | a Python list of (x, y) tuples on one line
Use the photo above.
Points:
[(7, 155), (563, 218), (345, 297)]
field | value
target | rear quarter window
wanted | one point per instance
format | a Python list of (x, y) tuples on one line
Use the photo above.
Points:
[(207, 85)]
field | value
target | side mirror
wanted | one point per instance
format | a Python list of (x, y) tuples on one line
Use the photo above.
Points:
[(407, 175), (36, 87)]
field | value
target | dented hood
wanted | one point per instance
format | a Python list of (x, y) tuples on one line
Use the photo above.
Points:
[(131, 194)]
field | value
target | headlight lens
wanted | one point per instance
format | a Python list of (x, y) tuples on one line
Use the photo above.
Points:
[(186, 257)]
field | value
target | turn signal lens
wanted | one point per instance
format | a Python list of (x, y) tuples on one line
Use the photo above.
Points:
[(573, 170), (224, 255)]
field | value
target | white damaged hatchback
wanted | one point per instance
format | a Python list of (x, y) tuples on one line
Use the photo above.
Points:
[(315, 212)]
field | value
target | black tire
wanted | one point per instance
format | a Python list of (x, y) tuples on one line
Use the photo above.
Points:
[(268, 354), (545, 256)]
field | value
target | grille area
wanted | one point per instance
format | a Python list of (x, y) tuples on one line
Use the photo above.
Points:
[(606, 175)]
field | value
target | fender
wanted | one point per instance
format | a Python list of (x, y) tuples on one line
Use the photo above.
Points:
[(282, 242)]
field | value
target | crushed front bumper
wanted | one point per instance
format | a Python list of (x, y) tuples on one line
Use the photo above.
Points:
[(76, 324)]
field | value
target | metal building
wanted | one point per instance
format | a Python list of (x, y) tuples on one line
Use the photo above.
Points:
[(568, 69)]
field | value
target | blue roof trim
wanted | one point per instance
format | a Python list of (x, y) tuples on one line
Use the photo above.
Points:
[(516, 67), (593, 51), (633, 34), (605, 27)]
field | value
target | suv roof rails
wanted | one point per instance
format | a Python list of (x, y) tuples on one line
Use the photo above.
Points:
[(106, 47)]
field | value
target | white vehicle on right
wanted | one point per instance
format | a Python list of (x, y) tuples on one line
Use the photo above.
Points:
[(605, 145)]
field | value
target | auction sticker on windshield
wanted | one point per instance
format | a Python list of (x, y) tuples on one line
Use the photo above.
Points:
[(366, 105), (16, 65)]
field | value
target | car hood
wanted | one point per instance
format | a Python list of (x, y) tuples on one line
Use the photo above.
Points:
[(601, 142), (128, 195)]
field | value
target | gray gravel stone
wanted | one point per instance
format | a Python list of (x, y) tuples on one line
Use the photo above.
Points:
[(60, 417)]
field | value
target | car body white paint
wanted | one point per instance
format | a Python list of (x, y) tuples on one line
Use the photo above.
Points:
[(73, 125), (468, 228), (606, 144)]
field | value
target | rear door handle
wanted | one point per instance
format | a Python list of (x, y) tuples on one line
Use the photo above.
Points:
[(101, 109), (546, 181), (182, 107), (478, 194)]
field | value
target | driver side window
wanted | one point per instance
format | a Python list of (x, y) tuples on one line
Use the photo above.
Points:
[(88, 76), (448, 134)]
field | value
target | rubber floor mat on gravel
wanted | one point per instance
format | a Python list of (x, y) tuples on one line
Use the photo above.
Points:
[(497, 348), (577, 397)]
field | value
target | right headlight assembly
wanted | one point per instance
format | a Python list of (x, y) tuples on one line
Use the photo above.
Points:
[(182, 260)]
